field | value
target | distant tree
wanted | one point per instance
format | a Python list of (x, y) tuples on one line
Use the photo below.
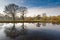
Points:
[(12, 10), (38, 17), (44, 16)]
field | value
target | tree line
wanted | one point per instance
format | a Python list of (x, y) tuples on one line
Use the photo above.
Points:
[(13, 9)]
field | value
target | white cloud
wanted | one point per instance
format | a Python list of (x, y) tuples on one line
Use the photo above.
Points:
[(31, 11), (48, 11)]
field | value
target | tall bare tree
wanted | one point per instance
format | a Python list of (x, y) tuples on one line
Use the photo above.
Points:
[(23, 11), (12, 10)]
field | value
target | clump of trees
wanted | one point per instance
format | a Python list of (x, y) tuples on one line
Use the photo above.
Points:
[(50, 19), (13, 9)]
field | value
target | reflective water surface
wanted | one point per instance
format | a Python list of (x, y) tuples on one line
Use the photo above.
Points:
[(31, 31)]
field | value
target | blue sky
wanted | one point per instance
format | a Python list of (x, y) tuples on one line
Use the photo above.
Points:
[(43, 3), (35, 5)]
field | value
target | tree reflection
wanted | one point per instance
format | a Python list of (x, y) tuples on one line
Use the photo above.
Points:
[(43, 24), (38, 24), (15, 32)]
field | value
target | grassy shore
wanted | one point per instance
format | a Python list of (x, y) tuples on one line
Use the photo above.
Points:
[(31, 21)]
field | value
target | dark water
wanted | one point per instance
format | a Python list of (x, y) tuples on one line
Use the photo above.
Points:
[(32, 31)]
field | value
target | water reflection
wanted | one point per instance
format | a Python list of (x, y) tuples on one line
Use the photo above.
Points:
[(38, 24), (56, 23), (15, 32), (31, 32), (1, 24), (43, 24)]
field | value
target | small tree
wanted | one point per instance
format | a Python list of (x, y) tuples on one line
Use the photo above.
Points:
[(38, 17), (12, 10)]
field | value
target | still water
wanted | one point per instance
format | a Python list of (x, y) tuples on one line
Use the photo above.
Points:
[(33, 31)]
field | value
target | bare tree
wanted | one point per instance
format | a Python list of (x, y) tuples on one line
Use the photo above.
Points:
[(23, 11), (12, 10)]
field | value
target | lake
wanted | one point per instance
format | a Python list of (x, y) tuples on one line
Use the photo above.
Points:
[(33, 31)]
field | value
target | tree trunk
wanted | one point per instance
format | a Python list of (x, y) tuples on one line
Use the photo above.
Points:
[(23, 20)]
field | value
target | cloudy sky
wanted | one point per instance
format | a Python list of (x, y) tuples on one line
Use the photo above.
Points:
[(35, 7)]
